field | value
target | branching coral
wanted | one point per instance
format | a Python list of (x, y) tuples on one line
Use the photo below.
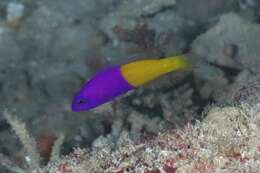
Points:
[(28, 142), (204, 147), (150, 110), (32, 157), (141, 36), (227, 140)]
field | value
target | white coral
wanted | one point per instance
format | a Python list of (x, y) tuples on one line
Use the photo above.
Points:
[(28, 142)]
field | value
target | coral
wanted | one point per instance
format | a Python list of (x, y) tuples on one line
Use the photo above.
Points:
[(248, 91), (127, 12), (227, 140), (130, 19), (34, 153), (140, 122), (49, 48), (75, 162), (142, 36), (56, 148), (228, 119), (28, 142), (230, 30), (34, 64), (148, 32), (149, 110), (147, 38), (228, 55), (182, 109), (10, 164), (204, 147), (127, 117)]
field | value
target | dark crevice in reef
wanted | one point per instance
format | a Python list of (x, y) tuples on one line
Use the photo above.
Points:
[(230, 72), (196, 98)]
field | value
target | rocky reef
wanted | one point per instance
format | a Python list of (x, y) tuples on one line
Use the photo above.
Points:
[(48, 49)]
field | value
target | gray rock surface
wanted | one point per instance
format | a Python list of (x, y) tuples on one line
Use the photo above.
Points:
[(232, 32)]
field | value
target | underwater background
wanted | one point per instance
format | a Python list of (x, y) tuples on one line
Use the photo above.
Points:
[(206, 119)]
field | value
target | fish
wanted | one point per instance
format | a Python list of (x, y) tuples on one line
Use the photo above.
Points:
[(116, 80)]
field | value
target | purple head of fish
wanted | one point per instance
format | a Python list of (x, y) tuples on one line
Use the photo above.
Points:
[(103, 87)]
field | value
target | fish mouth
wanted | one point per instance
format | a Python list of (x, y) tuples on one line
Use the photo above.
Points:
[(75, 108), (78, 103)]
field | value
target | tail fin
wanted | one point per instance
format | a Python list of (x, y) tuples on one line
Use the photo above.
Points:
[(174, 63)]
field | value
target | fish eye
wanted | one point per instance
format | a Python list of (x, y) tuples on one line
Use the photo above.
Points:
[(82, 101)]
